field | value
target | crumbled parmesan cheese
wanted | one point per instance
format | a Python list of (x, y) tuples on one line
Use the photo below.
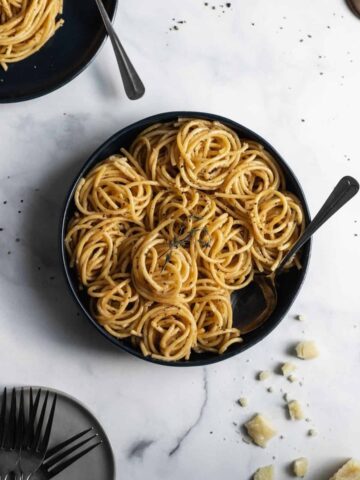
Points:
[(287, 368), (300, 317), (292, 378), (307, 350), (243, 402), (349, 471), (295, 410), (264, 375), (265, 473), (312, 432), (260, 430), (301, 466)]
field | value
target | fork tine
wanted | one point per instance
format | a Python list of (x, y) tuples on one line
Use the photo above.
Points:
[(60, 456), (20, 422), (39, 427), (34, 405), (45, 441), (71, 460), (11, 426), (2, 418), (62, 445)]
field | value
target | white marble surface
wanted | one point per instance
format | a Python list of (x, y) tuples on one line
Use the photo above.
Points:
[(249, 64)]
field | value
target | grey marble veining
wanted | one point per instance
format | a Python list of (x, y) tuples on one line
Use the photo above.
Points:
[(288, 70)]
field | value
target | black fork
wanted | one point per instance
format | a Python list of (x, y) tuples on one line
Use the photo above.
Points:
[(66, 453), (36, 435), (11, 431)]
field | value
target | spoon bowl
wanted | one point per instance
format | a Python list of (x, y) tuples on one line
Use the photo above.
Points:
[(254, 304)]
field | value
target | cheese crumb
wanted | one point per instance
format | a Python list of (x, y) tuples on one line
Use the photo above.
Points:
[(287, 368), (300, 317), (243, 402), (301, 466), (307, 350), (295, 410), (292, 378), (260, 430), (265, 473), (263, 375), (312, 433), (349, 471)]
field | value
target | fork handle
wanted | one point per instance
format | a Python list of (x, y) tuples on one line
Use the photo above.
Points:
[(346, 188), (133, 85)]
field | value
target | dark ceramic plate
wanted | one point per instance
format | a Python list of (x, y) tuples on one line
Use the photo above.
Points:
[(72, 417), (289, 283), (65, 55)]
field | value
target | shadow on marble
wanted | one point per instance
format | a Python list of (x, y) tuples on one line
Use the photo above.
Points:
[(105, 83), (327, 471)]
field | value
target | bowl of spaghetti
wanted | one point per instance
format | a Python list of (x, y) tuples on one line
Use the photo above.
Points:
[(167, 221)]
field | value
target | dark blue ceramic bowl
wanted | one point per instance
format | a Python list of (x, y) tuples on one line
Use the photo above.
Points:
[(289, 284)]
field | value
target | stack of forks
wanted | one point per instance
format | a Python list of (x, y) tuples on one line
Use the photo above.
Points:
[(25, 431)]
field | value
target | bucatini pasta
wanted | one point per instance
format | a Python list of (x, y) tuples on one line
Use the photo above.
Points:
[(165, 232), (25, 26)]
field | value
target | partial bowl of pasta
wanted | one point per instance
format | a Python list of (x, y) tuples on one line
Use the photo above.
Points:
[(45, 44), (167, 221)]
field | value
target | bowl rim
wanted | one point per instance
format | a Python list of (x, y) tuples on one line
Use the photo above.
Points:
[(94, 159)]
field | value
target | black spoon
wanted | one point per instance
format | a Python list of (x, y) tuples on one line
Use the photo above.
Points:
[(254, 304), (134, 88)]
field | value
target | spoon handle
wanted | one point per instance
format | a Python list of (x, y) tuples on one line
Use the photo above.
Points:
[(342, 193), (133, 85)]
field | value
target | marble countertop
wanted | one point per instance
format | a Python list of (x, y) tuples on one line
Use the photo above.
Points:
[(288, 70)]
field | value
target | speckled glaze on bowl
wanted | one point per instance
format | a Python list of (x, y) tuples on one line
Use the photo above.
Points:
[(289, 283)]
